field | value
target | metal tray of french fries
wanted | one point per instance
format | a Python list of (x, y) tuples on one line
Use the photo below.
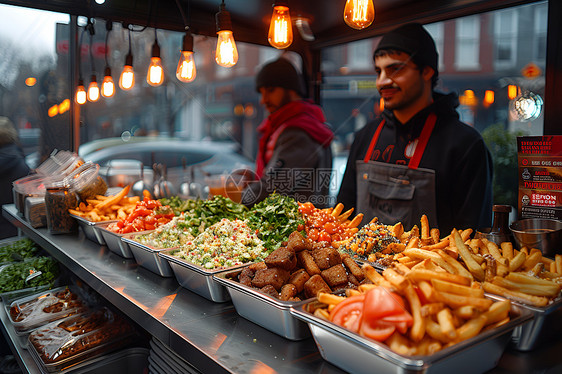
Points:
[(91, 229), (197, 279), (546, 324), (147, 256), (357, 354), (264, 310)]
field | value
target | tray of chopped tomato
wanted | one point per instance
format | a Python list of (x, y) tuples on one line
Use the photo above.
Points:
[(147, 215)]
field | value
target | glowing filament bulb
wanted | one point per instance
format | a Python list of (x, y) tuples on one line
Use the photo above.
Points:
[(280, 29), (93, 91), (155, 75), (186, 71), (107, 85), (359, 14), (226, 54), (81, 93)]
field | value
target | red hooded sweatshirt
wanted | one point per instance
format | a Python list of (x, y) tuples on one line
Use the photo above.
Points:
[(302, 114)]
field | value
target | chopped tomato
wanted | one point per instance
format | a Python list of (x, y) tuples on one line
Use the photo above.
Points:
[(348, 313), (324, 237)]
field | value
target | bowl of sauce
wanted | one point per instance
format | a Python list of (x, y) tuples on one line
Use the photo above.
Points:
[(541, 233)]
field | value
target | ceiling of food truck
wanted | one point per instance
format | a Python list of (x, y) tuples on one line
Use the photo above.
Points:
[(250, 18)]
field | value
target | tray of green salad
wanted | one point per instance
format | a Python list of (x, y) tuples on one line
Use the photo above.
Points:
[(235, 240)]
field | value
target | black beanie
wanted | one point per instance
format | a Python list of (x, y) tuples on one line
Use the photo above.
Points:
[(413, 39), (279, 73)]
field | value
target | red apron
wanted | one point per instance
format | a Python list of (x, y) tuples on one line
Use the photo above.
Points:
[(397, 193)]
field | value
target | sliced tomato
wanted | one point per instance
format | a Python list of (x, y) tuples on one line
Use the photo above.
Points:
[(377, 330), (384, 309), (401, 321), (348, 313), (381, 302)]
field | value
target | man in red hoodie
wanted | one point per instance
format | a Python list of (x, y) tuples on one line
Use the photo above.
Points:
[(294, 156)]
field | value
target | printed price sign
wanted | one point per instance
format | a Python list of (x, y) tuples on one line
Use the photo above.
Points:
[(540, 176)]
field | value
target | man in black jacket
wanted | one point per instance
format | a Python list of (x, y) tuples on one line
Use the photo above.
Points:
[(417, 157), (12, 167)]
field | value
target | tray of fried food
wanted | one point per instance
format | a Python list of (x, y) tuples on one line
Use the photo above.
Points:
[(102, 209), (412, 321), (377, 242), (331, 225), (264, 292), (524, 276)]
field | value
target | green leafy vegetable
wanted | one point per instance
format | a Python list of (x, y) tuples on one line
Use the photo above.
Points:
[(18, 250), (204, 213), (19, 275), (274, 219)]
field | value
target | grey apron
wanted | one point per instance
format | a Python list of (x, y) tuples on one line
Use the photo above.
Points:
[(397, 193)]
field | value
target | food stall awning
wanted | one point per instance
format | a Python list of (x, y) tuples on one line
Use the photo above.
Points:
[(250, 18)]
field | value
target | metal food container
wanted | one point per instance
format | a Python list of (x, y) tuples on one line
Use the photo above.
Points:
[(147, 256), (131, 360), (264, 310), (39, 318), (110, 343), (197, 279), (159, 353), (546, 323), (92, 229), (114, 242), (357, 354)]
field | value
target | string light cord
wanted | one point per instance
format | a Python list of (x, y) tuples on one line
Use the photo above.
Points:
[(80, 54), (108, 28), (92, 31)]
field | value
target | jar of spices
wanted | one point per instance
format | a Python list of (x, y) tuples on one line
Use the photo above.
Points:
[(58, 199), (86, 181)]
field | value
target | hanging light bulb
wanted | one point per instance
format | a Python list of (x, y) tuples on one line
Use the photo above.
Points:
[(155, 75), (359, 14), (93, 90), (186, 71), (226, 54), (127, 78), (80, 92), (280, 29), (107, 85)]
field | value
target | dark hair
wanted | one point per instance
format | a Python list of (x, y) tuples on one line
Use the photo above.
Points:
[(417, 61)]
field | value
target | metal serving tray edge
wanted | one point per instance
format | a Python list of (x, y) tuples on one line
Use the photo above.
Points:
[(546, 323), (264, 310), (147, 256), (114, 242), (197, 279), (357, 354), (91, 228)]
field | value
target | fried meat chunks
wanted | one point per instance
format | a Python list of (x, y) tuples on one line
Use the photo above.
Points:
[(301, 269)]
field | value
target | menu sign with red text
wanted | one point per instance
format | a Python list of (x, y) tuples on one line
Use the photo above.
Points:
[(540, 176)]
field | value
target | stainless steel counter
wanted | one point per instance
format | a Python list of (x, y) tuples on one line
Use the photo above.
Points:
[(211, 336)]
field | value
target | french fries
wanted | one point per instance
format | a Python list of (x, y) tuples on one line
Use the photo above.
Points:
[(105, 208), (455, 309), (524, 275)]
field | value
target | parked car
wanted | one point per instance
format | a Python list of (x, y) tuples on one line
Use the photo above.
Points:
[(176, 161)]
